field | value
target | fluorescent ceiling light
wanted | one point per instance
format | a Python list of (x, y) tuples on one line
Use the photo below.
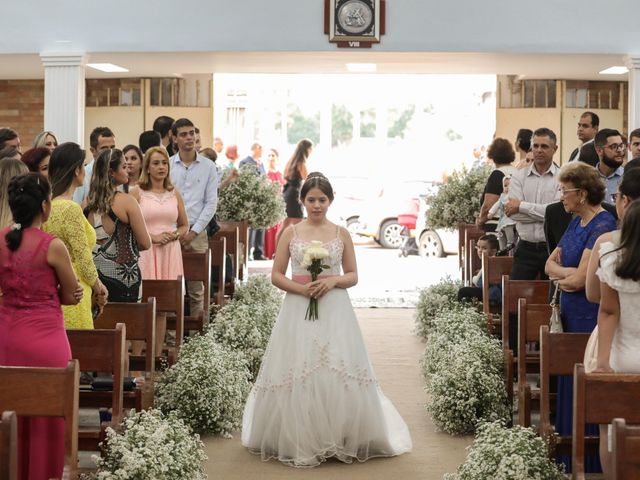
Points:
[(617, 70), (361, 67), (107, 67)]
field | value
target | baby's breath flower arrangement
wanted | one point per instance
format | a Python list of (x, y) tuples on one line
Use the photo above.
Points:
[(458, 200), (441, 296), (257, 289), (246, 328), (253, 198), (507, 454), (151, 445), (206, 387)]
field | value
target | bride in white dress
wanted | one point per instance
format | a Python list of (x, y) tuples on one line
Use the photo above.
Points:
[(316, 395)]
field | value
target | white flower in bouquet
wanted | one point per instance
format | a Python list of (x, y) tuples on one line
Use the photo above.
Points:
[(149, 444), (253, 198), (313, 259), (206, 387)]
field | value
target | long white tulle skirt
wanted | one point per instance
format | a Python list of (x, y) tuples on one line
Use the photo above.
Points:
[(316, 395)]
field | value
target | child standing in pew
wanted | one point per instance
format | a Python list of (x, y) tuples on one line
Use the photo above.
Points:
[(506, 228), (486, 244), (36, 277)]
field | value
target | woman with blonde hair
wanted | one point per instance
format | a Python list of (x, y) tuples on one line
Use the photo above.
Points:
[(9, 168), (47, 140), (166, 218), (120, 229)]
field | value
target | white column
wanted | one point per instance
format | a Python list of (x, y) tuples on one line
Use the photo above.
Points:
[(64, 95), (633, 64)]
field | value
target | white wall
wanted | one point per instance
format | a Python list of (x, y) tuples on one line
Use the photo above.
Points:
[(297, 25)]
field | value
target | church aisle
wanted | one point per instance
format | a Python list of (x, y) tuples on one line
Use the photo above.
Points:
[(395, 353)]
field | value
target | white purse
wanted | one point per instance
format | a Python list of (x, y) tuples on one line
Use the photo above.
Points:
[(555, 322)]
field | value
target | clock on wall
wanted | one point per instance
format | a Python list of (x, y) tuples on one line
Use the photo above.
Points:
[(351, 22)]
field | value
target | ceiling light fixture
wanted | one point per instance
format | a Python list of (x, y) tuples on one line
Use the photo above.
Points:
[(617, 70), (107, 67), (361, 67)]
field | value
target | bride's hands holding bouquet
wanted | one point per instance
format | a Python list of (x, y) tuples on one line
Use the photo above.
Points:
[(320, 287)]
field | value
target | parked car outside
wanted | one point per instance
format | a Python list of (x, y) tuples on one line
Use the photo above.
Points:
[(433, 243)]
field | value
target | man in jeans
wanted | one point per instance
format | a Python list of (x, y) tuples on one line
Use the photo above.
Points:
[(195, 177)]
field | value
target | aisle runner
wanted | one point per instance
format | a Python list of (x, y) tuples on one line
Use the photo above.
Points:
[(395, 353)]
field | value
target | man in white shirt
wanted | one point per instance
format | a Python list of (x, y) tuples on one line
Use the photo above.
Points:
[(587, 128), (530, 191), (101, 138), (195, 177)]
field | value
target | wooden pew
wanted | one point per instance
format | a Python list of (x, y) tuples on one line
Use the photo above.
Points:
[(558, 354), (493, 268), (140, 324), (243, 240), (218, 250), (474, 263), (534, 291), (599, 398), (100, 351), (197, 267), (46, 392), (232, 245), (169, 295), (463, 242), (625, 453), (9, 446), (530, 318)]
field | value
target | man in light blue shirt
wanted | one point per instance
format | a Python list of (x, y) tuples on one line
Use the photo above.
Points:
[(100, 139), (195, 177), (611, 149)]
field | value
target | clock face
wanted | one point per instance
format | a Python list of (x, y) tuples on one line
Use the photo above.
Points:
[(355, 17)]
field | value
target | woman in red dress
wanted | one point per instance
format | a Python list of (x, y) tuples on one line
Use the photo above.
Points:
[(36, 276), (276, 177)]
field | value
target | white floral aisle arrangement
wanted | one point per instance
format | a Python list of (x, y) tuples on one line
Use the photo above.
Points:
[(502, 453), (245, 328), (458, 199), (253, 198), (441, 296), (257, 289), (206, 387), (151, 445)]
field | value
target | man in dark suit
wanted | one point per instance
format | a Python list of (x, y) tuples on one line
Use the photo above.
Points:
[(587, 128), (256, 237)]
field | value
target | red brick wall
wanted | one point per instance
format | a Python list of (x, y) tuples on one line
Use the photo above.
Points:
[(22, 108)]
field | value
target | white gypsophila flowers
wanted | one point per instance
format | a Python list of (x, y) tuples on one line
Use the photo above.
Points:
[(441, 296), (206, 387), (246, 327), (151, 445), (457, 200), (503, 453), (257, 289), (251, 197)]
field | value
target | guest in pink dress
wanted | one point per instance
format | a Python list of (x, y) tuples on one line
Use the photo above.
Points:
[(36, 276), (276, 177), (166, 218)]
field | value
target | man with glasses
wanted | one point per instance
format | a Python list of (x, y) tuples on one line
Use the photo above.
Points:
[(611, 149), (587, 130)]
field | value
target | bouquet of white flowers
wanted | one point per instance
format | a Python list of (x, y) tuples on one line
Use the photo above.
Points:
[(507, 454), (149, 444), (313, 260), (206, 387), (251, 197)]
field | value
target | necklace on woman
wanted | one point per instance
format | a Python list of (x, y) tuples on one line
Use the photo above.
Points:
[(584, 221)]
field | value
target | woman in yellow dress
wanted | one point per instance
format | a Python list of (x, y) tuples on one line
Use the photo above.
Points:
[(67, 222)]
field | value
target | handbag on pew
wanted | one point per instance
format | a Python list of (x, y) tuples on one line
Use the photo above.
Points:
[(591, 352), (555, 322)]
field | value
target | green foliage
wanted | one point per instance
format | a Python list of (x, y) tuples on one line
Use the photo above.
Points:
[(507, 454), (400, 121), (368, 123), (341, 125), (441, 296), (458, 200), (301, 126)]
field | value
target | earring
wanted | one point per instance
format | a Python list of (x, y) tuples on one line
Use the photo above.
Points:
[(582, 201)]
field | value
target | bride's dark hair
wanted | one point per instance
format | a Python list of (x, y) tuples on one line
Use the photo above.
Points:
[(319, 181)]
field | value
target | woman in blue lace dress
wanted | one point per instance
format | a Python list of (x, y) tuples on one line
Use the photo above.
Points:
[(582, 191)]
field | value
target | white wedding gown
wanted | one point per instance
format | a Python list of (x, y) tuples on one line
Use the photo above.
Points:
[(316, 395)]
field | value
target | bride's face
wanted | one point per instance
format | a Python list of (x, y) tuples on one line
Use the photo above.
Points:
[(316, 203)]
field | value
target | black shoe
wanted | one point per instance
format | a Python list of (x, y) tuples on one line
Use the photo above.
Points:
[(261, 257)]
